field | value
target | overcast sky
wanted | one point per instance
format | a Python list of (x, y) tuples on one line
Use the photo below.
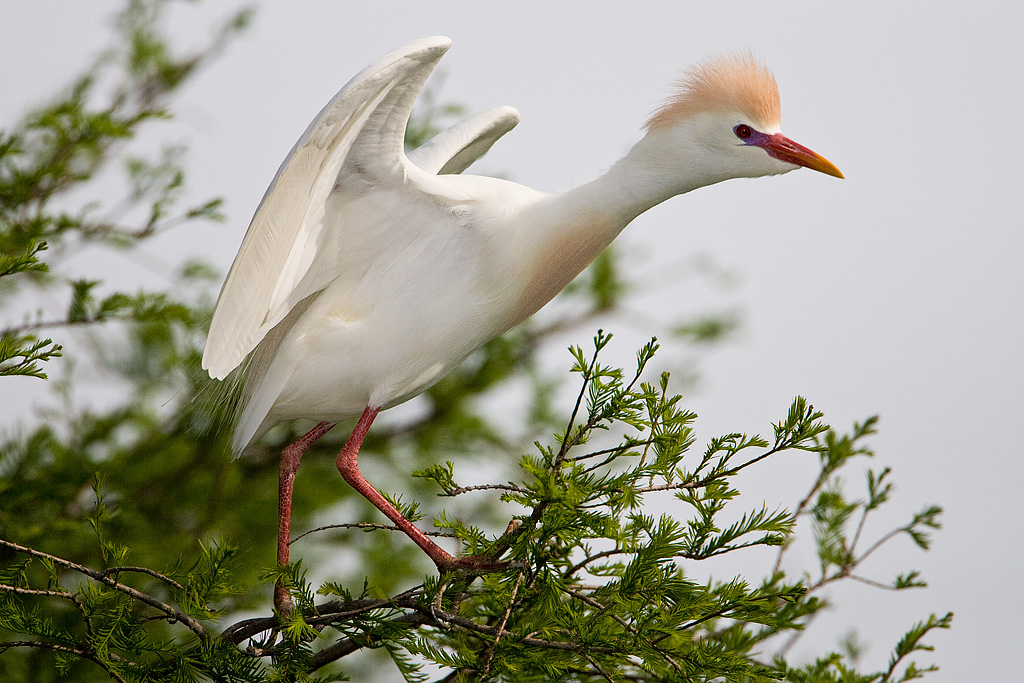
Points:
[(898, 291)]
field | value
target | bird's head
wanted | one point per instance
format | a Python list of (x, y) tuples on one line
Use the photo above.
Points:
[(723, 122)]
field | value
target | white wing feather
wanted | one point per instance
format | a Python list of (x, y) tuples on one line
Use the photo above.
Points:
[(455, 150), (362, 127)]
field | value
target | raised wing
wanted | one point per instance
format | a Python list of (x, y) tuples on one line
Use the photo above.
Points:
[(454, 150), (362, 127)]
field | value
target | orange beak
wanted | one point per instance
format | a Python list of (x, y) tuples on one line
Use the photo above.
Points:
[(782, 148)]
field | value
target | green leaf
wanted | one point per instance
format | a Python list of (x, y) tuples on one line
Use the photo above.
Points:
[(21, 354)]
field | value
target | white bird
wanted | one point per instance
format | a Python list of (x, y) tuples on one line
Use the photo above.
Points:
[(368, 274)]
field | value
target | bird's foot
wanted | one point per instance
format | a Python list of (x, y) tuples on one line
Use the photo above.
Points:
[(481, 563), (471, 564), (282, 601)]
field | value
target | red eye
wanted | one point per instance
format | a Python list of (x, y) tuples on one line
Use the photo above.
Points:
[(742, 131)]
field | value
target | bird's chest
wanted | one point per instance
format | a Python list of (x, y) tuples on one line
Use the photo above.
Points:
[(400, 321)]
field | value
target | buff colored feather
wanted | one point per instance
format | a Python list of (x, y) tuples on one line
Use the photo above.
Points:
[(736, 83)]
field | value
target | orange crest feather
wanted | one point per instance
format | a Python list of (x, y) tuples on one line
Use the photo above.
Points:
[(729, 83)]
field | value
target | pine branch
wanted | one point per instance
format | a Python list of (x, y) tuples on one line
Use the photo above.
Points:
[(31, 591), (172, 613), (21, 354), (83, 652), (112, 571), (366, 526)]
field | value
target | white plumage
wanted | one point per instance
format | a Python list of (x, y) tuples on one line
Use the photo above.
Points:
[(368, 274)]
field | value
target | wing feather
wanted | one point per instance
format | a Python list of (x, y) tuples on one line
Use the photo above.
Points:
[(362, 127), (454, 150)]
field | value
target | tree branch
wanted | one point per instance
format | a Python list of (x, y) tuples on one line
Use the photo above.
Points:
[(484, 487), (172, 612), (30, 591), (85, 653), (366, 525), (144, 570)]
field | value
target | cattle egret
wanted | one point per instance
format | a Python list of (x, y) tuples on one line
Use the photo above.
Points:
[(367, 273)]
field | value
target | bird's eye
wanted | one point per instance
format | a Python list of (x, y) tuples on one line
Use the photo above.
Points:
[(742, 131)]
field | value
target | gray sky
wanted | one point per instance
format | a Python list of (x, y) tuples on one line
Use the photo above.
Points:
[(898, 291)]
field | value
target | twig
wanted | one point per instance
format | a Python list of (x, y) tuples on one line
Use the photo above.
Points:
[(366, 525), (735, 470), (501, 625), (601, 610), (604, 674), (30, 591), (325, 613), (791, 641), (696, 622), (144, 570), (617, 449), (347, 646), (860, 528), (654, 428), (38, 325), (626, 625), (880, 542), (601, 463), (583, 563), (871, 582), (845, 571), (484, 487), (701, 483), (463, 624), (85, 653), (332, 611), (172, 612)]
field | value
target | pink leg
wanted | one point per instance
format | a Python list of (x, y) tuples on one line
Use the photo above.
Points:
[(349, 469), (290, 458)]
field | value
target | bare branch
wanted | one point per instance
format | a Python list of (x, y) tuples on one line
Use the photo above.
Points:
[(38, 325), (366, 526), (144, 570), (29, 591), (484, 487), (880, 542), (871, 582)]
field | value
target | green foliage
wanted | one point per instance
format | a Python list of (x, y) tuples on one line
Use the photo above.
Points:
[(64, 146), (21, 352), (589, 585), (133, 549)]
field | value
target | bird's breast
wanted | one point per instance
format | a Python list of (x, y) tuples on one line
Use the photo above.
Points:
[(558, 255), (413, 299), (389, 331)]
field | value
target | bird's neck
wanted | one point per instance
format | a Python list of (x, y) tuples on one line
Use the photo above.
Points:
[(563, 233), (655, 169), (651, 172)]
